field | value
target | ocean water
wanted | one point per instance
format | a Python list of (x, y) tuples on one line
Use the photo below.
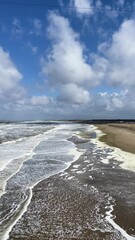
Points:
[(31, 152)]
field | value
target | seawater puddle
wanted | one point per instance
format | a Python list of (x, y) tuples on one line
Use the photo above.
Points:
[(51, 146)]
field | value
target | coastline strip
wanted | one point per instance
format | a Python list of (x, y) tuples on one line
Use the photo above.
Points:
[(118, 135), (126, 159)]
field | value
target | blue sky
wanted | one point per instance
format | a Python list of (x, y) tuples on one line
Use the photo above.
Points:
[(67, 59)]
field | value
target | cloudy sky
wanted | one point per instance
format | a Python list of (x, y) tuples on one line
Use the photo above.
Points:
[(67, 59)]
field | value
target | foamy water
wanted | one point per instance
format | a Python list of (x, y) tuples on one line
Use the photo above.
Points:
[(110, 218), (30, 161), (127, 162), (13, 154)]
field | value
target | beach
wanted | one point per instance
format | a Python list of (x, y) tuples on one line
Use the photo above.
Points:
[(119, 135), (89, 197)]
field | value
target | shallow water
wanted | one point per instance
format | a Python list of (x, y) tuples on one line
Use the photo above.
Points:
[(24, 163), (42, 151)]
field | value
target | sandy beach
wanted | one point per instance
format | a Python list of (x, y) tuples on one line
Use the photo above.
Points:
[(119, 135)]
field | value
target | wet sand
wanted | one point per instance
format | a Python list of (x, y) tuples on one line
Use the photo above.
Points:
[(119, 135), (74, 204)]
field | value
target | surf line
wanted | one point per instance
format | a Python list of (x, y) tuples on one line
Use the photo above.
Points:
[(22, 159), (23, 210), (76, 154), (109, 218)]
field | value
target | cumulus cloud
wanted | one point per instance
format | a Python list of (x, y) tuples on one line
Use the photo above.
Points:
[(120, 105), (66, 61), (15, 103), (110, 102), (67, 68), (35, 101), (73, 72), (121, 56), (71, 93), (10, 77), (82, 8), (67, 64)]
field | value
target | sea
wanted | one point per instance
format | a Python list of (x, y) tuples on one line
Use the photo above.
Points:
[(32, 152)]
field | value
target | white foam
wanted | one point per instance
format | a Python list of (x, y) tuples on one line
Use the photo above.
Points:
[(23, 210), (63, 174), (76, 154), (70, 177), (91, 177), (81, 171), (72, 151), (109, 218), (87, 161), (18, 166), (28, 153), (105, 161), (76, 166), (94, 188), (17, 149), (128, 159)]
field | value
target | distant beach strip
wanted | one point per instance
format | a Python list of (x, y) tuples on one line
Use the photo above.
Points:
[(119, 135)]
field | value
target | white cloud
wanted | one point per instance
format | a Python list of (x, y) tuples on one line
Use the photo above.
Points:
[(71, 93), (39, 101), (72, 74), (66, 62), (98, 4), (121, 56), (99, 67), (33, 49), (10, 77), (82, 7), (111, 12), (110, 102), (121, 2), (36, 27), (17, 29)]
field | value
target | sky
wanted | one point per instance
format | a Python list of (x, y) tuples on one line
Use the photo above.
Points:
[(67, 59)]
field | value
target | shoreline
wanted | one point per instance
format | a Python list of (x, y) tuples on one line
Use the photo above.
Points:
[(76, 155), (80, 202), (118, 135), (73, 200)]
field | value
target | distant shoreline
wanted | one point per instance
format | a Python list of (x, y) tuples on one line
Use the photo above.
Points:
[(84, 121), (120, 135)]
